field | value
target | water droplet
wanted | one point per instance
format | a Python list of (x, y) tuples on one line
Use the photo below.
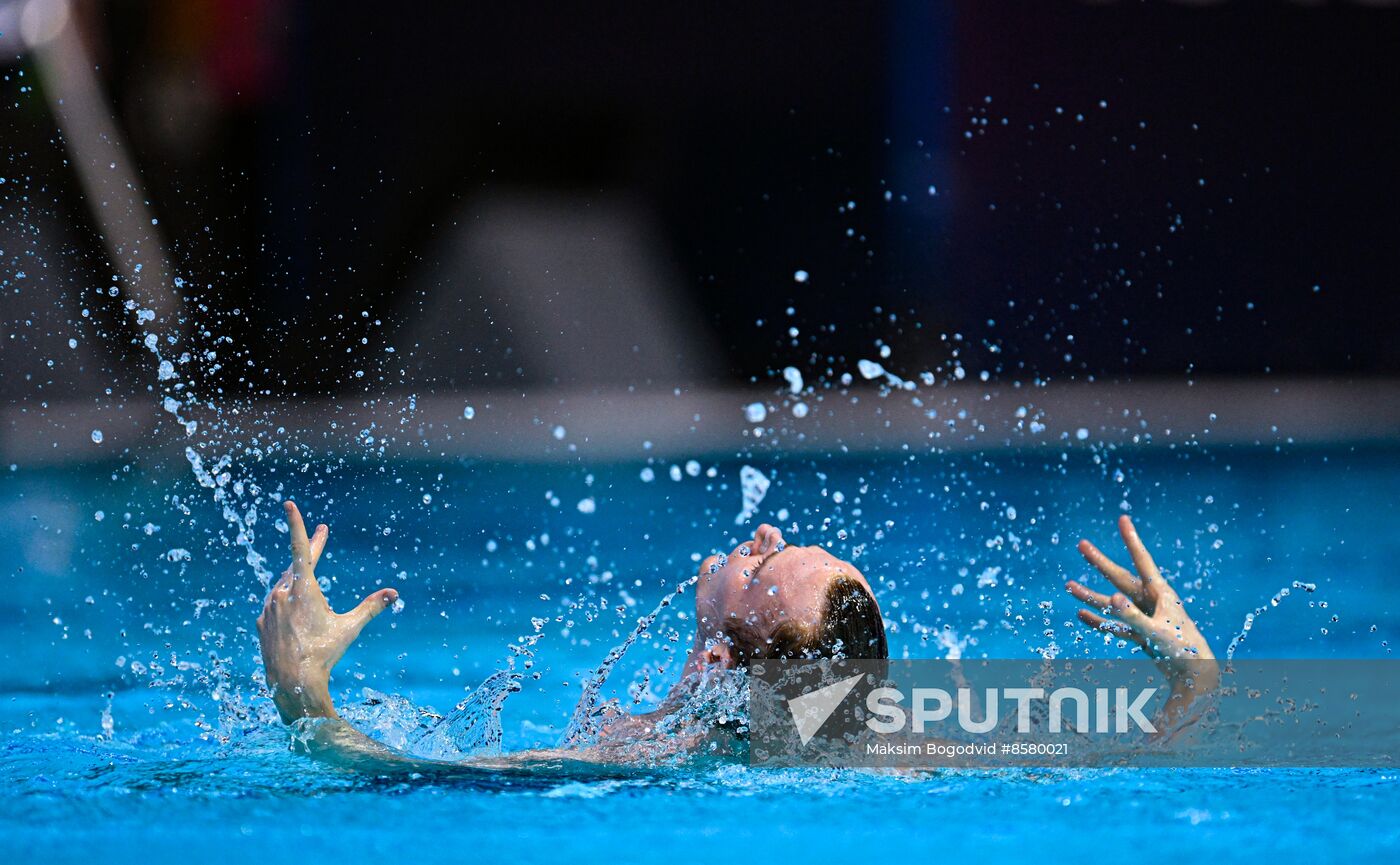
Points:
[(754, 485), (97, 436), (870, 369), (793, 376)]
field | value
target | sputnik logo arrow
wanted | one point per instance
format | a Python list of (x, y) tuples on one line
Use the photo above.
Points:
[(811, 710)]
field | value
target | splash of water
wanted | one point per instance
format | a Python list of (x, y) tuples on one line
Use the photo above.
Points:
[(754, 485), (227, 495), (474, 726), (471, 729), (589, 716), (718, 701), (1260, 610)]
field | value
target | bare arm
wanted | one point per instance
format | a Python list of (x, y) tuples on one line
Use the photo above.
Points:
[(302, 640), (1147, 611)]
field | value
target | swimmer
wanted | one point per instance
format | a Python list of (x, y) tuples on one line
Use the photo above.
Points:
[(765, 600)]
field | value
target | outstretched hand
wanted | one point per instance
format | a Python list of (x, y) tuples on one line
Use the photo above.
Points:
[(302, 637), (1147, 611)]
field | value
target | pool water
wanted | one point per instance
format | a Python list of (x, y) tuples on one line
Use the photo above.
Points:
[(134, 730)]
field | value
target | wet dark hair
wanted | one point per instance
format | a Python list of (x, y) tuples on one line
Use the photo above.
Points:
[(850, 626)]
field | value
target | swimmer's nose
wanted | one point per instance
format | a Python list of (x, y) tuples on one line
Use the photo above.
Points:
[(767, 539), (747, 553)]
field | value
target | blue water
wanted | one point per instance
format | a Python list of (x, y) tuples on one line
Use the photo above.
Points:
[(133, 730)]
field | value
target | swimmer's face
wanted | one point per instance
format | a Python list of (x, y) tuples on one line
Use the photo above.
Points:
[(758, 587)]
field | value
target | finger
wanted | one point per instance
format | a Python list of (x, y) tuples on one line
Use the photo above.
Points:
[(1094, 620), (277, 592), (1088, 595), (1108, 626), (1142, 559), (301, 545), (1126, 611), (318, 543), (1119, 576), (371, 606)]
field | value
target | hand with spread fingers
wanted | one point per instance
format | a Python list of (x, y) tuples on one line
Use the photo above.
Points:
[(302, 638), (1147, 611)]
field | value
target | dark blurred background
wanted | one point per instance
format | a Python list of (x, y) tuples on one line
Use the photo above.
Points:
[(1107, 189)]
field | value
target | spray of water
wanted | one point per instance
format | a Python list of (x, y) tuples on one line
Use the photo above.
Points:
[(589, 716), (1250, 619)]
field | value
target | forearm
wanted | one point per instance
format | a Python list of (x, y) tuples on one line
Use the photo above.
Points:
[(302, 695), (303, 701), (334, 741)]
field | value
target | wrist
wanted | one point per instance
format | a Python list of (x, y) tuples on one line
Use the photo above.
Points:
[(299, 690), (295, 701)]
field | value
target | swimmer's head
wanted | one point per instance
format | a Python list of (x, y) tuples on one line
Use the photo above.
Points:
[(767, 600)]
